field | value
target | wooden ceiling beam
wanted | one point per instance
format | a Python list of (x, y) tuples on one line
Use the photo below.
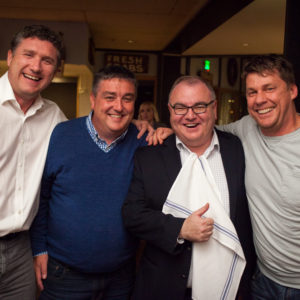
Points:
[(211, 16)]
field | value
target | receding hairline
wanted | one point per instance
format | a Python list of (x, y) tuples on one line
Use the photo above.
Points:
[(191, 81)]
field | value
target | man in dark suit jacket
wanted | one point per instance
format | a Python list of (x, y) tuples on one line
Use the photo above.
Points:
[(166, 261)]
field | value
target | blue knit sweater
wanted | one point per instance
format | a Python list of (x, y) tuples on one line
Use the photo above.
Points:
[(83, 188)]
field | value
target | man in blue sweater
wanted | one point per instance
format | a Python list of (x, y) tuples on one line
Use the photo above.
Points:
[(81, 248)]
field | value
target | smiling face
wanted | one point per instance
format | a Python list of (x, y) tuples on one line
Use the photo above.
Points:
[(31, 67), (113, 107), (194, 130), (270, 103)]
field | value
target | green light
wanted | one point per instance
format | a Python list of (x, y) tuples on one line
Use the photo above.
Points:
[(207, 65)]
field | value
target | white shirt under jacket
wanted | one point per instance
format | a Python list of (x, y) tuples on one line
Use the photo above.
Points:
[(24, 142)]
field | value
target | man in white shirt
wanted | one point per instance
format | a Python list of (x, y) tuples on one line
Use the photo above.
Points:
[(271, 139), (26, 122)]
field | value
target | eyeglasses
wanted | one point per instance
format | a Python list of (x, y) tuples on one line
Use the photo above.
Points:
[(180, 109)]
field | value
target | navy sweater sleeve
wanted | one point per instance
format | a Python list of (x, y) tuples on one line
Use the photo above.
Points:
[(39, 227)]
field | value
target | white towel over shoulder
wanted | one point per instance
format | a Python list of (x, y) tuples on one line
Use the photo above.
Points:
[(218, 264)]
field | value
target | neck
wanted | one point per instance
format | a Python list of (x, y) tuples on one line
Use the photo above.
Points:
[(108, 138), (24, 104), (199, 149)]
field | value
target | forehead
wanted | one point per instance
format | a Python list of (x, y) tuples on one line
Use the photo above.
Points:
[(116, 85), (145, 106), (186, 92), (265, 78), (44, 48)]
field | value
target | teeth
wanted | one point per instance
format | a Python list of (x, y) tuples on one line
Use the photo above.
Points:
[(116, 116), (31, 77), (264, 111), (190, 125)]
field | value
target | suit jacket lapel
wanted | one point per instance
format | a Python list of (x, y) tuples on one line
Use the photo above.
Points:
[(171, 158), (226, 154)]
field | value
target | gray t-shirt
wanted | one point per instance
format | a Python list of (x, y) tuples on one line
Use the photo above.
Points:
[(273, 190)]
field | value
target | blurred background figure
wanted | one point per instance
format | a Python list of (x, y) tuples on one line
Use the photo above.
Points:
[(148, 112)]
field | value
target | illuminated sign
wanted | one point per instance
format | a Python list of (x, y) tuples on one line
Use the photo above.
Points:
[(207, 65)]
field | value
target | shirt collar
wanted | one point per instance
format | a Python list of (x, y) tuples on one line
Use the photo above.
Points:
[(7, 94), (214, 145), (100, 142)]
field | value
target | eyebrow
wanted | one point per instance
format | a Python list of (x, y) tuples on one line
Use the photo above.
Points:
[(197, 103), (46, 57), (108, 93)]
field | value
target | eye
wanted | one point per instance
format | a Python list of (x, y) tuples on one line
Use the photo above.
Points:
[(200, 106), (128, 99), (109, 98), (48, 61), (270, 89), (179, 106), (251, 93)]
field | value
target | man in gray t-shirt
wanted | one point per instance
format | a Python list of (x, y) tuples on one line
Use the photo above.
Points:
[(271, 140)]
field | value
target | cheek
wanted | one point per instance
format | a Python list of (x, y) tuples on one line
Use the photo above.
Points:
[(130, 108), (175, 120), (250, 102), (49, 73)]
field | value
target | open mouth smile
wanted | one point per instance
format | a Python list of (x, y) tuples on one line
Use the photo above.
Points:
[(116, 116), (191, 125), (264, 111), (31, 77)]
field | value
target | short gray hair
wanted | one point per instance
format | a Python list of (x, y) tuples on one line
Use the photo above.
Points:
[(191, 80)]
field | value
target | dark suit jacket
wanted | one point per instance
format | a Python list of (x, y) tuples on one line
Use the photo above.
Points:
[(165, 265)]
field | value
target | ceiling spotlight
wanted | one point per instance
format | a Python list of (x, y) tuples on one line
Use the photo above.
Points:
[(245, 44), (131, 41)]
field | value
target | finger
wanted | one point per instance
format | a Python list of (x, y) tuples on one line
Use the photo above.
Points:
[(44, 270), (202, 210), (151, 130), (209, 221), (38, 276), (141, 132), (154, 139), (160, 138), (150, 140), (149, 136)]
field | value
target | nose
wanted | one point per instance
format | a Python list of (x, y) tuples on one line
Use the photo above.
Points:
[(260, 98), (118, 105), (36, 65), (190, 114)]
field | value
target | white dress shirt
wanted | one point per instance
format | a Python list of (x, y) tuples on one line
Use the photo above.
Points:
[(213, 156), (214, 159), (24, 142)]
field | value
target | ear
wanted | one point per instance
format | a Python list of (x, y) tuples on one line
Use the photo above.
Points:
[(170, 108), (92, 101), (215, 104), (9, 57), (293, 91)]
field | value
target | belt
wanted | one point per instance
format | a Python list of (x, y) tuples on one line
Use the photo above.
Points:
[(11, 236)]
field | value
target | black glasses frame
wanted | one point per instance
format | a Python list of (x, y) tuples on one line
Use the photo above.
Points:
[(183, 110)]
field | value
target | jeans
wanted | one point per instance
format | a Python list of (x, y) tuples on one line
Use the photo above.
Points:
[(263, 288), (64, 283), (17, 278)]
